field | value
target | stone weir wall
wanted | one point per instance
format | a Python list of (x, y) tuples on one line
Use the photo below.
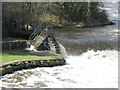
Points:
[(11, 45), (28, 64)]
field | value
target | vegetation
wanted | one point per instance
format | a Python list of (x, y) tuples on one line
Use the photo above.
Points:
[(55, 14), (8, 56)]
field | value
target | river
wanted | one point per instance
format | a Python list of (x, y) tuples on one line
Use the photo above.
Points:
[(92, 60)]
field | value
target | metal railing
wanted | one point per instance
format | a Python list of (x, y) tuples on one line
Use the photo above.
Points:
[(36, 33), (33, 35)]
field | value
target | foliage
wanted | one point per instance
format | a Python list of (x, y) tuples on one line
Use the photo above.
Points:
[(50, 13)]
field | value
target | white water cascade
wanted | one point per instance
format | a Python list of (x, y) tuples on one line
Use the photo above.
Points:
[(62, 51), (31, 48), (88, 70)]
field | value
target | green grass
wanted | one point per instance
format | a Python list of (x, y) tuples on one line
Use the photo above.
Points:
[(8, 56)]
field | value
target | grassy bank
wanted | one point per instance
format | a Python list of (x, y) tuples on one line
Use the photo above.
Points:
[(8, 56)]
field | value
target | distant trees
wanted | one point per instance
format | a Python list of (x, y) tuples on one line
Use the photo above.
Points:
[(49, 13)]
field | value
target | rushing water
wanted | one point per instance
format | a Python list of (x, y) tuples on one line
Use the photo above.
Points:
[(91, 69)]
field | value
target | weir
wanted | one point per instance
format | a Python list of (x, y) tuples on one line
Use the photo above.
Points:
[(38, 41), (91, 69), (78, 41), (74, 41), (41, 41)]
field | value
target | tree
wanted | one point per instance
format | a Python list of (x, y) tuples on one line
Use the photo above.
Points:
[(49, 13)]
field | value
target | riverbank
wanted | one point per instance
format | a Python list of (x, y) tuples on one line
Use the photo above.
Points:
[(16, 56), (81, 25), (17, 60)]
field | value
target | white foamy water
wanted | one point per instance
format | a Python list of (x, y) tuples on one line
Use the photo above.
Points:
[(31, 48), (88, 70), (62, 51)]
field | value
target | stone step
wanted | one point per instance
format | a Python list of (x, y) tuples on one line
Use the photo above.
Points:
[(53, 41), (55, 44), (57, 47), (57, 50)]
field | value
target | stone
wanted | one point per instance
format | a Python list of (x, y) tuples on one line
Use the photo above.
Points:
[(9, 69), (28, 64), (37, 63), (2, 71), (15, 68)]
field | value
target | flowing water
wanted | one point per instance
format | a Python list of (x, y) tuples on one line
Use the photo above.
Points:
[(77, 41), (91, 69), (92, 60)]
